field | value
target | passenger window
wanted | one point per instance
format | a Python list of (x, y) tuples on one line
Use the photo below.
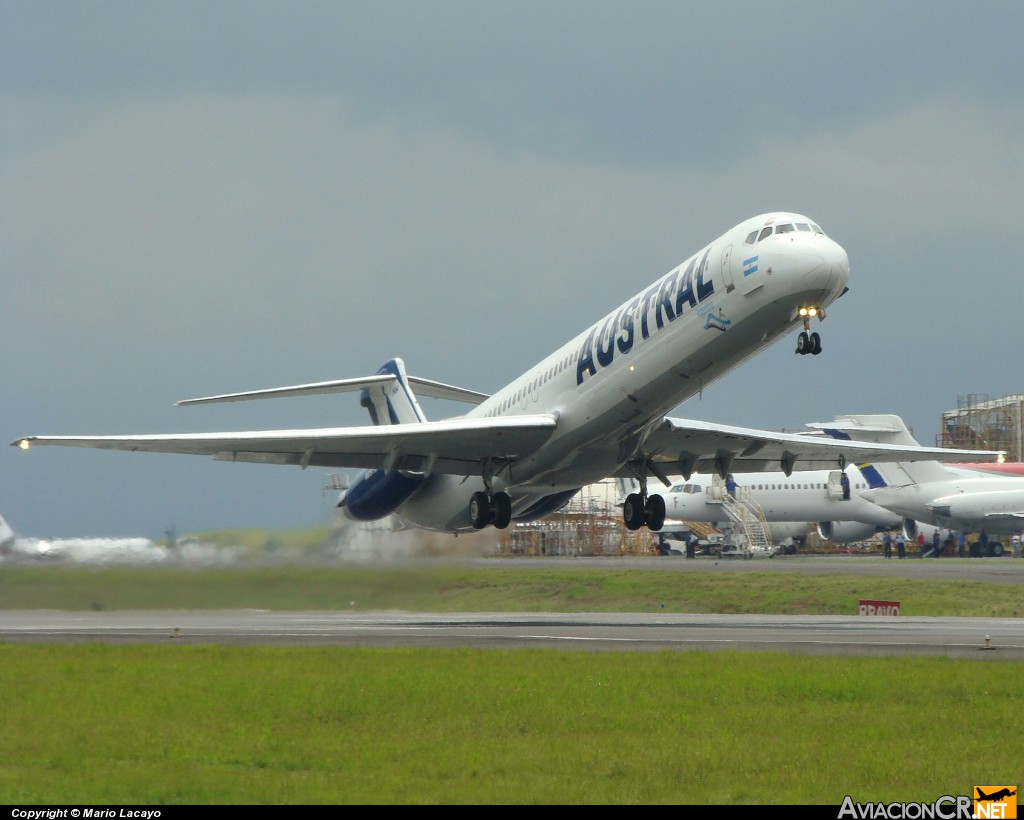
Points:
[(751, 237), (765, 232)]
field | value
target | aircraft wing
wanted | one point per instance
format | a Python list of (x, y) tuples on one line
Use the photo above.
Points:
[(682, 446), (457, 446)]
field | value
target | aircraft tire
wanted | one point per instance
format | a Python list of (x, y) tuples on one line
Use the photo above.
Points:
[(815, 344), (654, 512), (479, 511), (633, 512), (802, 343), (502, 512)]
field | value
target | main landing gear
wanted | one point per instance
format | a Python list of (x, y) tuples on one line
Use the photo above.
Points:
[(640, 509), (490, 508)]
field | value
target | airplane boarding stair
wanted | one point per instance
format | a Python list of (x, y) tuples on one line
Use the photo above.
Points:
[(749, 528)]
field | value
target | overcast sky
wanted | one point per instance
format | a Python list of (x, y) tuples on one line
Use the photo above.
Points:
[(209, 197)]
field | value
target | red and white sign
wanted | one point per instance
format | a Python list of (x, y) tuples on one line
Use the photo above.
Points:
[(889, 608)]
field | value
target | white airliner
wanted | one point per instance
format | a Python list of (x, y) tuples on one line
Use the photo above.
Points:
[(790, 504), (78, 549), (593, 408), (946, 496)]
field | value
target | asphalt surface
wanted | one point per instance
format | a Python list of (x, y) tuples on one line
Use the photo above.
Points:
[(983, 639), (884, 636)]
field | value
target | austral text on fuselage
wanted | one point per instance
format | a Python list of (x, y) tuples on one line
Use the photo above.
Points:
[(668, 297)]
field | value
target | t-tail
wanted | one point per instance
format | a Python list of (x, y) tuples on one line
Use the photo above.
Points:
[(392, 401), (377, 493)]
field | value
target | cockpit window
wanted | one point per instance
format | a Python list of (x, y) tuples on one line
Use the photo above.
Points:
[(751, 237), (816, 229), (689, 489), (765, 232), (802, 226), (784, 228)]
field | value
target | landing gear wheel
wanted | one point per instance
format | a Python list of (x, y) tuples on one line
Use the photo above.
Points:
[(815, 344), (803, 343), (501, 509), (655, 512), (633, 513), (479, 511)]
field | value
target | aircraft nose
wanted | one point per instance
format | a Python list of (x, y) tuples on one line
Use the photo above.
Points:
[(827, 266), (838, 262)]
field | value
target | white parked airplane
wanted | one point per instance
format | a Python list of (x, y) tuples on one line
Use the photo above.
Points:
[(593, 408), (961, 499), (790, 504), (78, 549)]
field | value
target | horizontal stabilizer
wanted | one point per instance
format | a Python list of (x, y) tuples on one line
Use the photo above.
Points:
[(424, 387)]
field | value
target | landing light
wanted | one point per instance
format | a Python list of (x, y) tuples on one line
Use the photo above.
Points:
[(23, 444), (808, 311)]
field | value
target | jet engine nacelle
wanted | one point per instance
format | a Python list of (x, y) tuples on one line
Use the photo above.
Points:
[(377, 493), (845, 532), (911, 528)]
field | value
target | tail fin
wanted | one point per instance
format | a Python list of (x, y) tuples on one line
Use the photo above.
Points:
[(885, 429), (6, 533), (392, 402)]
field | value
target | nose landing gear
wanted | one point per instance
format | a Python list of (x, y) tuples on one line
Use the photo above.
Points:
[(808, 342)]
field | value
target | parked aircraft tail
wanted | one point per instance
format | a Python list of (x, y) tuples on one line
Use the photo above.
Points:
[(6, 533), (884, 429)]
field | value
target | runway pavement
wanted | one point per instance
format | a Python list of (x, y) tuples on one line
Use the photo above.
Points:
[(983, 639)]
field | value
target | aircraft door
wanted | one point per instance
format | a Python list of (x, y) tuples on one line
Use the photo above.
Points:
[(835, 487), (727, 269), (717, 491)]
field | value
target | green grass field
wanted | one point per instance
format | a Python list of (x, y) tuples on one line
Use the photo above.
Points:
[(102, 724), (502, 587)]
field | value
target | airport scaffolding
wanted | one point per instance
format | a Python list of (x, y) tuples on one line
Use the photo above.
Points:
[(983, 423), (590, 524)]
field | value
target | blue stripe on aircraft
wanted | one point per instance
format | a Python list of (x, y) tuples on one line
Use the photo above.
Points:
[(872, 476)]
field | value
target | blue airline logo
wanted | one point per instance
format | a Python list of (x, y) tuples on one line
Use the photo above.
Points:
[(667, 297), (716, 322)]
